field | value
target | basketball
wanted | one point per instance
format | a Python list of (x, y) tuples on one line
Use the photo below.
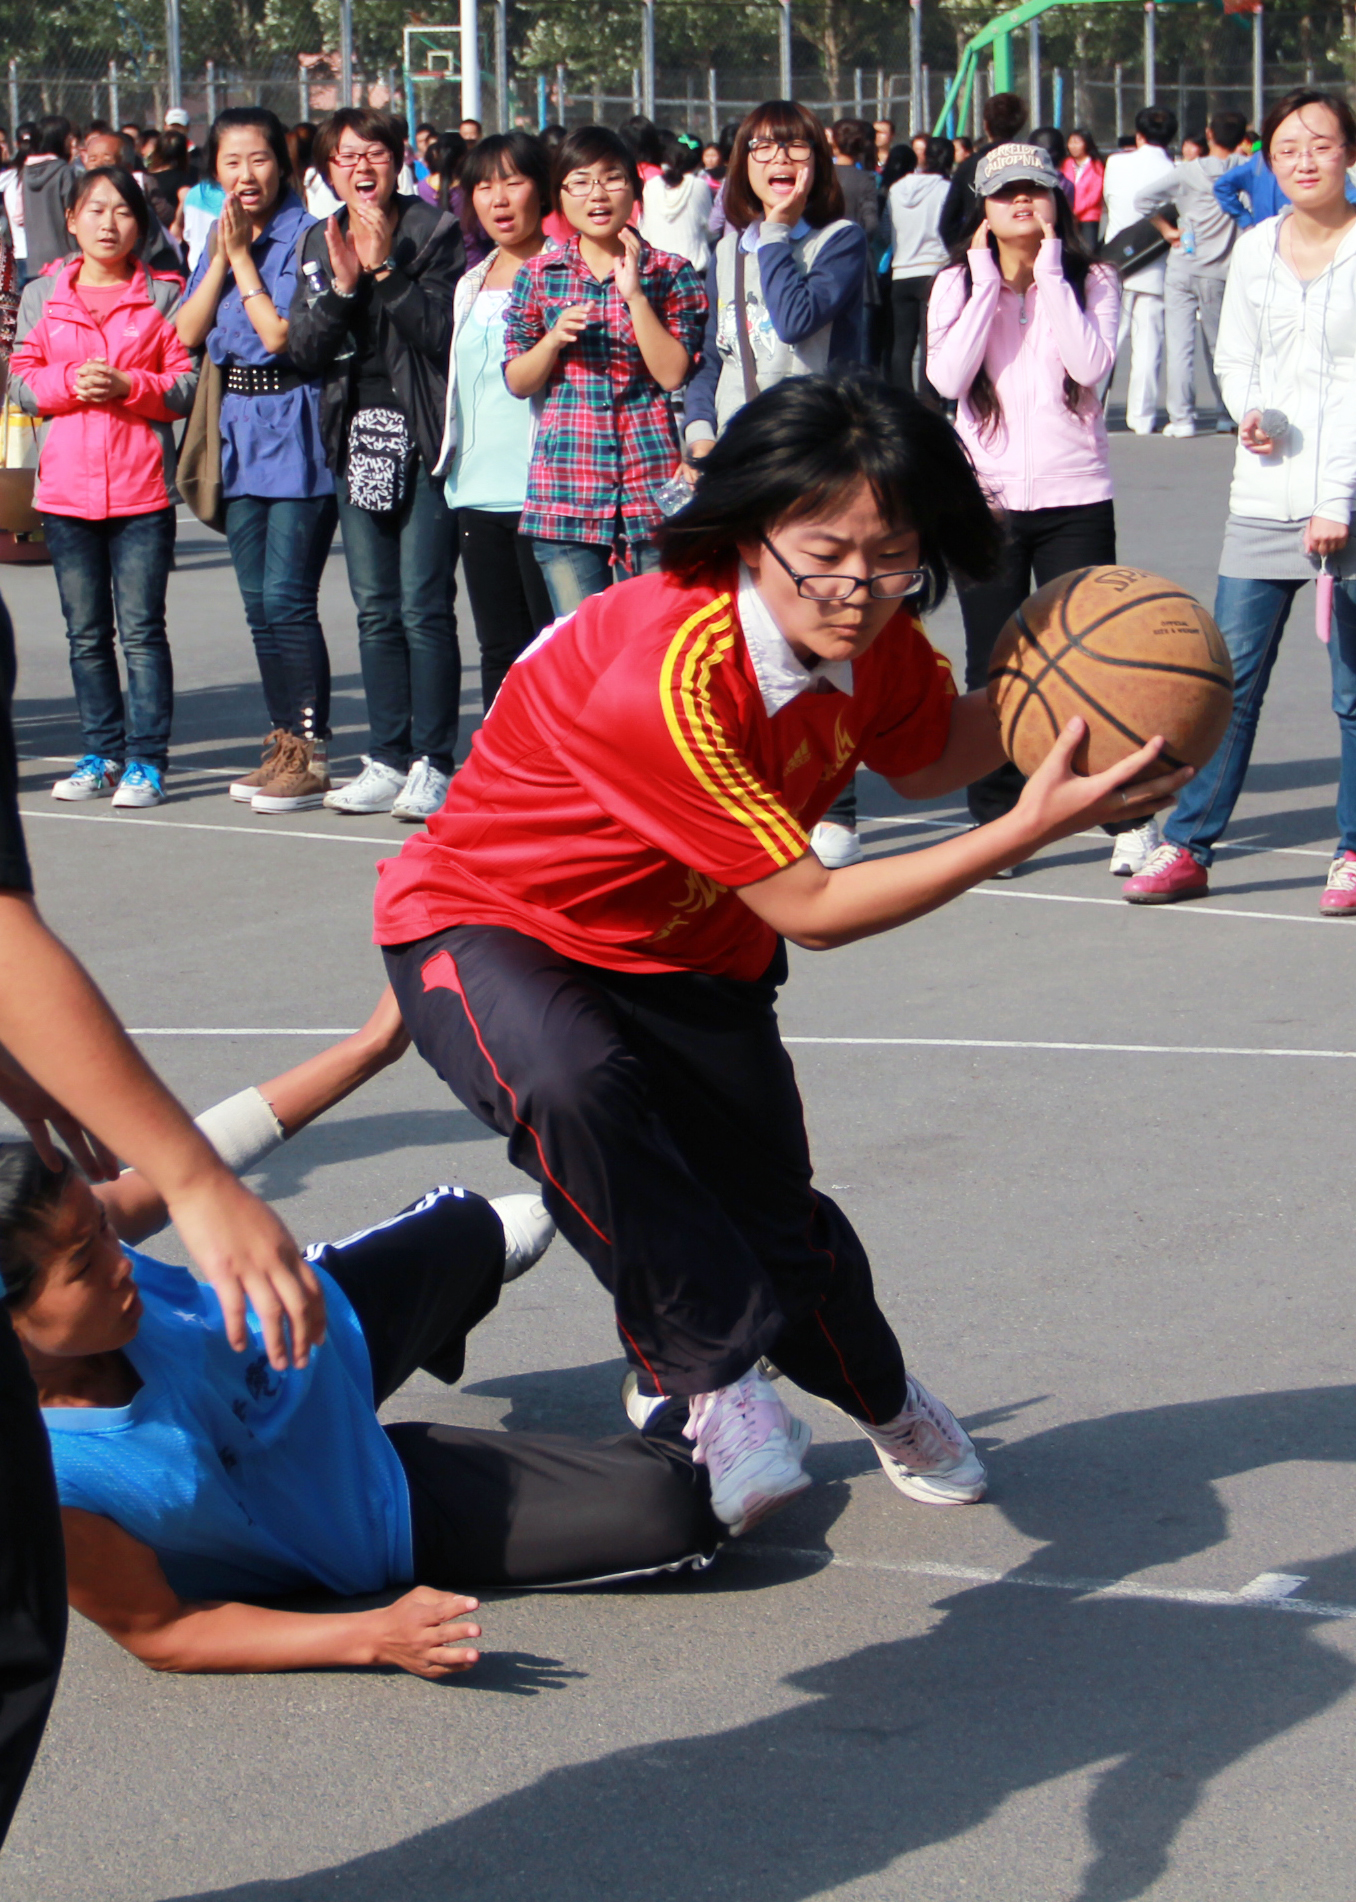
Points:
[(1134, 654)]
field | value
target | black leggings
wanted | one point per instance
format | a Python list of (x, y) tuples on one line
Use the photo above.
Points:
[(1040, 544), (506, 1509), (909, 299), (508, 596)]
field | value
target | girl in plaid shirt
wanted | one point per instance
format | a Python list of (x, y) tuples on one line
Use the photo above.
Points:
[(604, 330)]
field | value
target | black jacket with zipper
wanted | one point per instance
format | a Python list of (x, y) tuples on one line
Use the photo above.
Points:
[(414, 325)]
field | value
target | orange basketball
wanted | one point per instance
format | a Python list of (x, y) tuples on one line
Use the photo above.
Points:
[(1134, 654)]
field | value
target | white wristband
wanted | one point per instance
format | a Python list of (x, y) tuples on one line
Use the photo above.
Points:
[(242, 1130)]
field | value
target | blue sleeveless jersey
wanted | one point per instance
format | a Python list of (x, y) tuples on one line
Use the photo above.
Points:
[(243, 1481)]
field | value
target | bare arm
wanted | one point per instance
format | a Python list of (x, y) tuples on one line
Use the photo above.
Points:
[(973, 748), (297, 1097), (820, 910), (117, 1582), (57, 1025)]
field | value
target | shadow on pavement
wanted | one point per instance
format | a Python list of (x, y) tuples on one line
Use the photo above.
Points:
[(354, 1138), (916, 1741)]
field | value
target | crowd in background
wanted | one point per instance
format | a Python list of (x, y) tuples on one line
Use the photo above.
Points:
[(512, 353)]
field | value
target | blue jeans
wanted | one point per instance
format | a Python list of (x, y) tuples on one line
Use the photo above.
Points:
[(278, 549), (118, 568), (574, 570), (1252, 617), (402, 570)]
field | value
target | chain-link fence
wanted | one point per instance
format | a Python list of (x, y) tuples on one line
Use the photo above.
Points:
[(691, 64)]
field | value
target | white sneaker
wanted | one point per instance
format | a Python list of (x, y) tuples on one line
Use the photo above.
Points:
[(92, 777), (528, 1232), (927, 1453), (1179, 429), (640, 1407), (751, 1447), (835, 846), (424, 792), (376, 789), (1131, 851), (141, 785)]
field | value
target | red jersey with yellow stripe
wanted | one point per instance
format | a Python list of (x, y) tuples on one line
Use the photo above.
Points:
[(629, 778)]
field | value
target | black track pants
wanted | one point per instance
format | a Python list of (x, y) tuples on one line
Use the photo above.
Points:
[(661, 1118)]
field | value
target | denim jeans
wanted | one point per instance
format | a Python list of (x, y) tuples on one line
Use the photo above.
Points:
[(117, 570), (278, 549), (402, 571), (574, 570), (1252, 617)]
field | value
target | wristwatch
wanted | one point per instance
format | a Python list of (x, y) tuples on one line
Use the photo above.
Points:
[(387, 264)]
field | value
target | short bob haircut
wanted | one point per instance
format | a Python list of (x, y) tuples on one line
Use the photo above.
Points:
[(365, 123), (1296, 102), (125, 185), (503, 154), (782, 119), (252, 118), (802, 447), (592, 145)]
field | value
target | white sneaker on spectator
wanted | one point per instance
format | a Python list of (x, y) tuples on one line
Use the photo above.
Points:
[(141, 785), (92, 777), (1131, 851), (1179, 429), (376, 789), (423, 793), (835, 846), (927, 1453), (528, 1231), (751, 1447)]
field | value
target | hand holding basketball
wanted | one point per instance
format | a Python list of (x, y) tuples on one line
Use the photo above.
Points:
[(1058, 799)]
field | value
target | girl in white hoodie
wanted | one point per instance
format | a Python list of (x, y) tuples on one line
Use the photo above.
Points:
[(676, 205), (1286, 363)]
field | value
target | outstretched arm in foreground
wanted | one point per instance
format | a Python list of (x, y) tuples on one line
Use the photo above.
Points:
[(58, 1028), (118, 1582)]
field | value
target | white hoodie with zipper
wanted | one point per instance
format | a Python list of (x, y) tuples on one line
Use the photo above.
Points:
[(1291, 346)]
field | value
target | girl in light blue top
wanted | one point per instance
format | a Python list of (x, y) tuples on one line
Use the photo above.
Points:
[(487, 441)]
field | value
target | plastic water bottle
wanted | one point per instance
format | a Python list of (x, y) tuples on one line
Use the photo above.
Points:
[(672, 495), (1188, 245)]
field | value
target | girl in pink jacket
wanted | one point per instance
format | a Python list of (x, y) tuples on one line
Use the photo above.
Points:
[(98, 357), (1021, 331)]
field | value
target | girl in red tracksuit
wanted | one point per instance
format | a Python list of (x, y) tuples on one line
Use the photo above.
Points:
[(97, 356)]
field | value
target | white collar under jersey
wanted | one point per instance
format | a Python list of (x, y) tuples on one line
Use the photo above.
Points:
[(780, 675)]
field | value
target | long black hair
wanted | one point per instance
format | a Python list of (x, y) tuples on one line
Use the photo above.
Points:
[(982, 396), (29, 1192), (803, 447)]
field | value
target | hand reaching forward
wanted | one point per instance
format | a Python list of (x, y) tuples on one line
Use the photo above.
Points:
[(1057, 801)]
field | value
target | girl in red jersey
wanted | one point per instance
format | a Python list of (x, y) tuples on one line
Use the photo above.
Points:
[(586, 943)]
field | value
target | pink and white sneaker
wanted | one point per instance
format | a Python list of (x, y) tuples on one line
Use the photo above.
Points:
[(751, 1447), (1169, 873), (1339, 900), (927, 1453)]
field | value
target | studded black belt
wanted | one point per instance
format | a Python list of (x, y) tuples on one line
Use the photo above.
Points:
[(260, 379)]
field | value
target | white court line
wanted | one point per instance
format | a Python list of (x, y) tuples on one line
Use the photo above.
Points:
[(1203, 911), (1044, 1582), (1114, 1049), (914, 1043), (199, 825)]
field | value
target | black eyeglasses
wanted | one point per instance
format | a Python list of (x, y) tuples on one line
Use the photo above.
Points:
[(888, 587)]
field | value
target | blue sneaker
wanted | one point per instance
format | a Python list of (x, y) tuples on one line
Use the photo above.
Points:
[(93, 777), (140, 785)]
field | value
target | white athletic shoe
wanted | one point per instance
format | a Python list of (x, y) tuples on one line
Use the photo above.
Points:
[(751, 1447), (1131, 851), (927, 1453), (1179, 429), (835, 846), (92, 778), (141, 785), (424, 792), (528, 1232), (376, 789), (640, 1407)]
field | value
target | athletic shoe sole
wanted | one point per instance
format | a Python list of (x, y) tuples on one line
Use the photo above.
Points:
[(134, 801), (242, 791), (356, 812), (415, 818), (300, 802), (1165, 898), (80, 798)]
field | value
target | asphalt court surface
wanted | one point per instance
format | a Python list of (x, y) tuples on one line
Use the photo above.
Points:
[(1110, 1223)]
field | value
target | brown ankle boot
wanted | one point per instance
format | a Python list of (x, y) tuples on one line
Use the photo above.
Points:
[(301, 778), (246, 787)]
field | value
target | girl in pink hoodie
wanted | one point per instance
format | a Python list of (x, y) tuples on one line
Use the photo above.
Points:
[(97, 356), (1021, 331)]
